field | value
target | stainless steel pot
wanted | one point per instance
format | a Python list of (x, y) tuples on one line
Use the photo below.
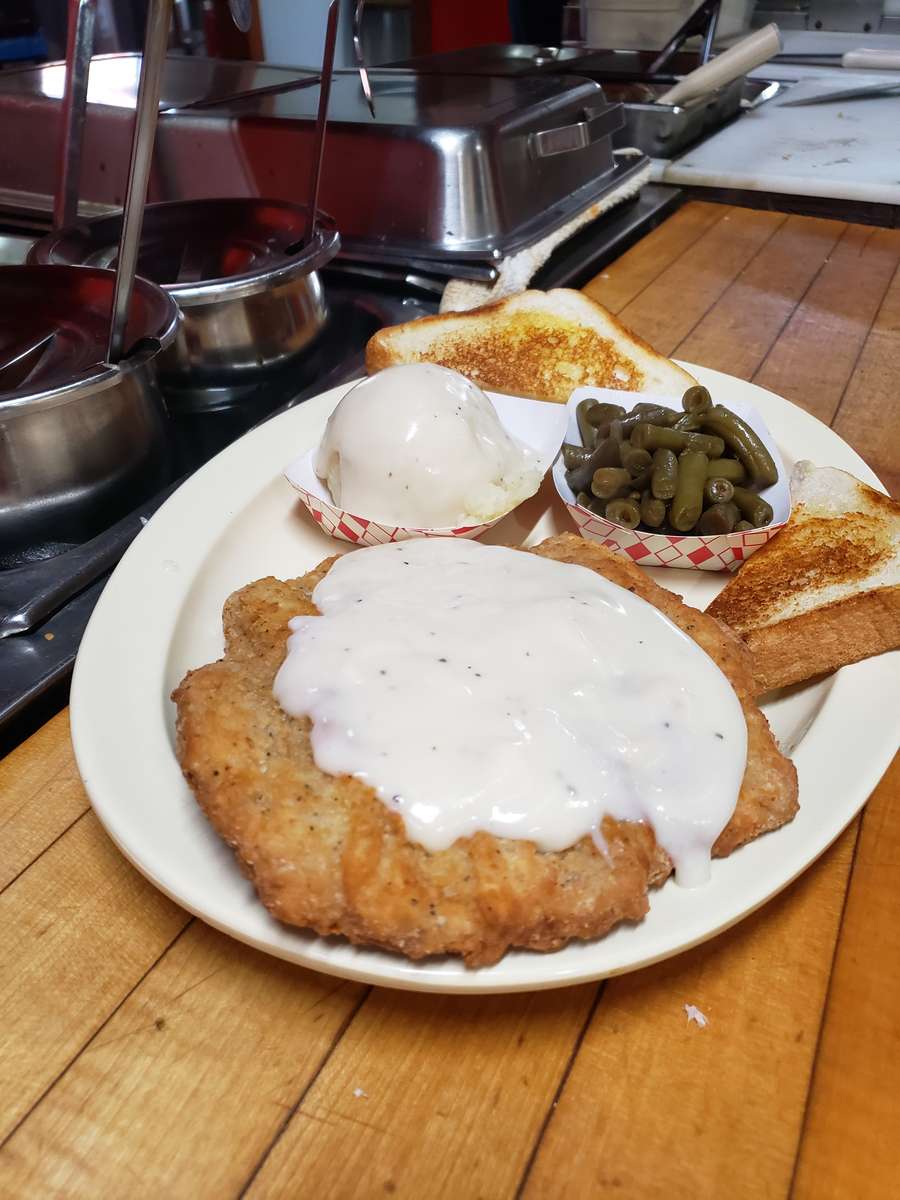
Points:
[(80, 440), (248, 289)]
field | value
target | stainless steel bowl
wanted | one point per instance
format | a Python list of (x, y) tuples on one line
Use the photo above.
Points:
[(80, 440), (249, 292)]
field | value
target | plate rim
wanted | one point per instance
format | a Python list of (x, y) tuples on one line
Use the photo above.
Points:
[(99, 772)]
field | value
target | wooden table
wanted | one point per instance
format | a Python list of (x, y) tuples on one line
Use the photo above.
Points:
[(142, 1054)]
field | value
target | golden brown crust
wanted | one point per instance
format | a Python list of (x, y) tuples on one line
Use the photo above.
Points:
[(810, 554), (324, 853), (537, 352), (821, 641), (786, 600)]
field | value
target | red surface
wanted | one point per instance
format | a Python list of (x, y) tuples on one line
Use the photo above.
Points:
[(456, 24)]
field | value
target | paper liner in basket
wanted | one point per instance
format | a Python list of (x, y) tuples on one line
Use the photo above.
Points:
[(537, 423), (715, 552)]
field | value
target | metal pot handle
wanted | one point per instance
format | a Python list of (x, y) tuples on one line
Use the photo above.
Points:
[(595, 124)]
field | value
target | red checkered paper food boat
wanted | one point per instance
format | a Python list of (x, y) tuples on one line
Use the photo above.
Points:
[(538, 424), (338, 523), (715, 552)]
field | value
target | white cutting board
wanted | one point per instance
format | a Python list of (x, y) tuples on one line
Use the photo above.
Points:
[(849, 150)]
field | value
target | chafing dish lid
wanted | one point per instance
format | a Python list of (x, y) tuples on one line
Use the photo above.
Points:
[(412, 100)]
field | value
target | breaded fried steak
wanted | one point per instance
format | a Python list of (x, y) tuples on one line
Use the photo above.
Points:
[(325, 853)]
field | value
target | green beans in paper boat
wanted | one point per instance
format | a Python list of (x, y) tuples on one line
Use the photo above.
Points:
[(662, 464)]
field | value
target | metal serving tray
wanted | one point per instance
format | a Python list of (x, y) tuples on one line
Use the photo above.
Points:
[(660, 131), (664, 130), (459, 167), (521, 59)]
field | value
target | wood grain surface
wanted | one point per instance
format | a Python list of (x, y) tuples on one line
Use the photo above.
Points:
[(143, 1054)]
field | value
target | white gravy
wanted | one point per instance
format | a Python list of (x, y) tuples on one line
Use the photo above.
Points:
[(481, 688)]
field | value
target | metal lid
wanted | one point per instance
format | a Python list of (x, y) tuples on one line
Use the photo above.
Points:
[(204, 250), (54, 328)]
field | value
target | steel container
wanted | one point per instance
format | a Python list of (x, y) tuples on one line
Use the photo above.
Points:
[(79, 439), (250, 294)]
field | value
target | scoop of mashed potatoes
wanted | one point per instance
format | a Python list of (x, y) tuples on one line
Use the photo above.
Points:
[(421, 446)]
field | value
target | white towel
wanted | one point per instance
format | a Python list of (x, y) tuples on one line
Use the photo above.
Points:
[(517, 271)]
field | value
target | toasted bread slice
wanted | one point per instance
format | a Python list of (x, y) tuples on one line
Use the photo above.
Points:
[(538, 344), (825, 591)]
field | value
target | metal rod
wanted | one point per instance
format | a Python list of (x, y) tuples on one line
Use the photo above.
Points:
[(79, 49), (270, 89), (153, 62), (360, 57), (703, 21), (15, 371), (710, 35), (322, 118)]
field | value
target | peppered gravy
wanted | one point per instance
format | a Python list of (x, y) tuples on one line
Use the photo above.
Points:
[(482, 688)]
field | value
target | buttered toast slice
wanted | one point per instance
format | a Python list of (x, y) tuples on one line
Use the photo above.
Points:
[(825, 591), (539, 344)]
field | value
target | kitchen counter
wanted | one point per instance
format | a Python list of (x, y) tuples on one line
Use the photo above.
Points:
[(145, 1054), (846, 151)]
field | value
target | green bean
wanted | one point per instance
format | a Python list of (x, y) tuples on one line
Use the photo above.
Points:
[(608, 482), (743, 443), (718, 518), (687, 503), (574, 456), (591, 502), (602, 413), (641, 482), (653, 511), (585, 426), (652, 437), (742, 527), (718, 490), (615, 433), (651, 414), (634, 461), (623, 512), (689, 422), (726, 468), (753, 508), (664, 479), (605, 454), (651, 407), (696, 399)]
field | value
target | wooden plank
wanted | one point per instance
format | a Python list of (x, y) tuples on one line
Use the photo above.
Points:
[(665, 312), (869, 413), (80, 928), (854, 1095), (657, 1107), (625, 278), (183, 1090), (40, 796), (738, 332), (814, 358), (454, 1091)]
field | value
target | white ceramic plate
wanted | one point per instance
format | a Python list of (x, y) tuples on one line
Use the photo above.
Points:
[(237, 519)]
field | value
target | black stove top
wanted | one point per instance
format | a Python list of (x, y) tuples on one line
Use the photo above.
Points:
[(35, 664)]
